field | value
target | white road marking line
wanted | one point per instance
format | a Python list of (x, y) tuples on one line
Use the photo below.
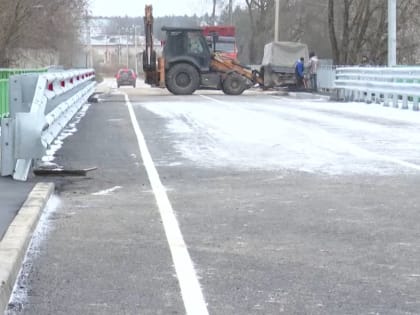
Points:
[(214, 100), (106, 191), (190, 287), (353, 149)]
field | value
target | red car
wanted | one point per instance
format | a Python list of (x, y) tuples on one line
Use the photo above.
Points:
[(126, 77)]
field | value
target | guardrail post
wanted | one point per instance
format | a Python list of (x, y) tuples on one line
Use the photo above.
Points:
[(405, 102), (395, 100), (22, 89), (346, 95), (416, 103), (7, 147), (404, 98), (378, 98), (386, 99), (340, 94), (358, 96)]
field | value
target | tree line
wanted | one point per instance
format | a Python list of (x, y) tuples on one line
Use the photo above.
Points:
[(41, 24), (343, 30)]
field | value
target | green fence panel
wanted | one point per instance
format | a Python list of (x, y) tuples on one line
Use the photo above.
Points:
[(5, 74), (4, 97)]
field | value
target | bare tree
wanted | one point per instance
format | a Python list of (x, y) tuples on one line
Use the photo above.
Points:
[(344, 30), (358, 28), (213, 14), (300, 21), (230, 11), (14, 16), (261, 20), (39, 24)]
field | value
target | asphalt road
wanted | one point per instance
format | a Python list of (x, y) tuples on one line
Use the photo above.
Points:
[(12, 196), (264, 237)]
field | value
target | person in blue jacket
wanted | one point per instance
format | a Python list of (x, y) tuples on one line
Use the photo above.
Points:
[(299, 71)]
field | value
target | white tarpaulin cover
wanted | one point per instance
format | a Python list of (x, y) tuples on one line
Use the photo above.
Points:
[(284, 54)]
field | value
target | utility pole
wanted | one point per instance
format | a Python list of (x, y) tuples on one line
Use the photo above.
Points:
[(231, 12), (128, 34), (213, 15), (89, 50), (392, 33), (119, 47), (135, 49), (276, 22)]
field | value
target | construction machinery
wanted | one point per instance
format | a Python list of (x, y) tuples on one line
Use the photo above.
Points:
[(191, 61), (223, 39), (278, 63), (188, 63), (149, 54)]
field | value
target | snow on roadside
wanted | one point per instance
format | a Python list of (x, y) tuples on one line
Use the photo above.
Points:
[(47, 161), (19, 298)]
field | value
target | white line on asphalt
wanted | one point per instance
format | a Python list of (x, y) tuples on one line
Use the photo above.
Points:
[(213, 99), (107, 192), (190, 287)]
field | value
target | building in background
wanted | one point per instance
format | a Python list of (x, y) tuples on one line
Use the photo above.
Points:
[(116, 51)]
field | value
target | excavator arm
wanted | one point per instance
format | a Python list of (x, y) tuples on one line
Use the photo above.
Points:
[(225, 65), (181, 74), (152, 66), (149, 55)]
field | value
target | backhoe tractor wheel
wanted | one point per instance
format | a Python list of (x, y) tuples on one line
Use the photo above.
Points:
[(234, 84), (182, 79)]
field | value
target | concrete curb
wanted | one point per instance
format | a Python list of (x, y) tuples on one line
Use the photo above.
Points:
[(15, 242)]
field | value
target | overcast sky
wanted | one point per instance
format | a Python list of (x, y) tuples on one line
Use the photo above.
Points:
[(160, 7)]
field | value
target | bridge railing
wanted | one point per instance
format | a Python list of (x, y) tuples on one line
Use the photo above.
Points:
[(398, 87), (326, 75), (41, 105), (5, 74)]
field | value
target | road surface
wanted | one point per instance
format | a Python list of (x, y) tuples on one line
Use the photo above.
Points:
[(252, 204)]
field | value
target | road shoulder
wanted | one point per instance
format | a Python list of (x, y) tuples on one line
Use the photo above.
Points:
[(15, 242)]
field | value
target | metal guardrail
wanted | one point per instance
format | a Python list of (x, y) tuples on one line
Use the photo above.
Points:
[(41, 105), (5, 74), (326, 75), (399, 87)]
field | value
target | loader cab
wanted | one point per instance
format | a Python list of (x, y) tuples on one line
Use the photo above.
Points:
[(186, 45)]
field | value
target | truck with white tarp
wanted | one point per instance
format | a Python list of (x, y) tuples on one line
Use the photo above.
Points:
[(278, 64)]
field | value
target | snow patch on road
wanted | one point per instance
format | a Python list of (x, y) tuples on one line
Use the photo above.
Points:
[(48, 159), (280, 133), (19, 297)]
